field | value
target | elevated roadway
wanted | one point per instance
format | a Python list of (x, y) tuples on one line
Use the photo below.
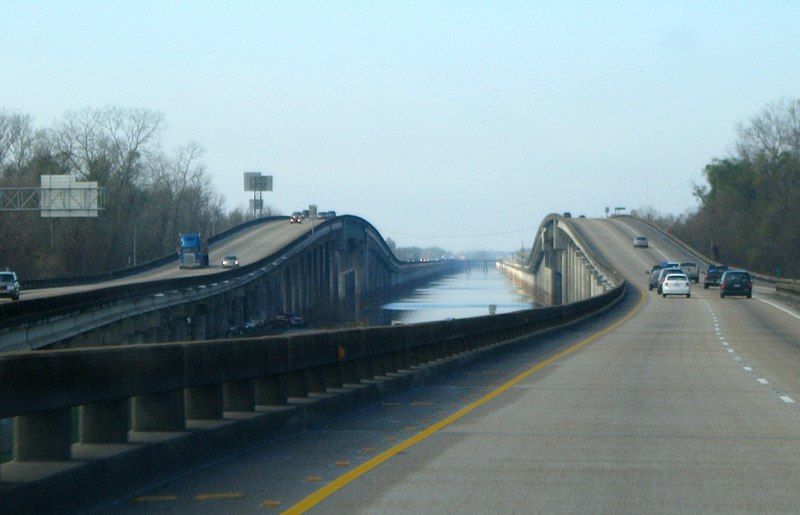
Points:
[(657, 405), (250, 245)]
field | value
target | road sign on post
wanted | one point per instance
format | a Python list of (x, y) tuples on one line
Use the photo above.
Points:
[(257, 183)]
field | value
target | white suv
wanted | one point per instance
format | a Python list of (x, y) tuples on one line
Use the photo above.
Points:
[(9, 286)]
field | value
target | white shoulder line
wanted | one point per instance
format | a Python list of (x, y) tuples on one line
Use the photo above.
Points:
[(780, 307)]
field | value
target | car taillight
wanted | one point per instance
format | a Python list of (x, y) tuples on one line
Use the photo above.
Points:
[(749, 284), (666, 283), (724, 285), (686, 284)]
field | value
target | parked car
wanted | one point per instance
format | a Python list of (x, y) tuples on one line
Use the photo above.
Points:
[(230, 262), (714, 275), (692, 270), (296, 218), (640, 241), (662, 274), (676, 284), (736, 283), (9, 285), (567, 214), (286, 320)]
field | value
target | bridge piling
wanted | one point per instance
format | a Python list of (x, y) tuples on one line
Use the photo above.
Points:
[(239, 395), (42, 436), (104, 422), (271, 390), (204, 402), (161, 411)]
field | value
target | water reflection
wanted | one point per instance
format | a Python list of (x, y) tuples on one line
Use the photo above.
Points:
[(465, 294)]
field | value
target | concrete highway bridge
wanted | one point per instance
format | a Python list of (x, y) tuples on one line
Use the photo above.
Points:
[(611, 400)]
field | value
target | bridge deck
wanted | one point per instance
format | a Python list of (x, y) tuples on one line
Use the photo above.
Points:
[(659, 405)]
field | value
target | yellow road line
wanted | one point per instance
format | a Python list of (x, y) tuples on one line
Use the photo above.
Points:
[(220, 495), (318, 496), (154, 498)]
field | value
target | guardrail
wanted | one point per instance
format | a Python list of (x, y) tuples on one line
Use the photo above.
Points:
[(122, 392), (55, 282)]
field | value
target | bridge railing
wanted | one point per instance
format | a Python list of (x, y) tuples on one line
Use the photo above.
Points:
[(159, 387), (32, 311), (55, 282)]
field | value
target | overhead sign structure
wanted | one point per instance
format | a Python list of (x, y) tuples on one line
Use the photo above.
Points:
[(257, 183), (254, 181), (63, 196)]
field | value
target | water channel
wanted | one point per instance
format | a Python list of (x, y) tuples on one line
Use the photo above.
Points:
[(464, 294)]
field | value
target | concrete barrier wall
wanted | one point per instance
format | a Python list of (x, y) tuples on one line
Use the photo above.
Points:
[(123, 392)]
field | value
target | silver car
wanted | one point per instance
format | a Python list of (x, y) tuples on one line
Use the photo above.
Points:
[(230, 262), (676, 284), (640, 241), (9, 285)]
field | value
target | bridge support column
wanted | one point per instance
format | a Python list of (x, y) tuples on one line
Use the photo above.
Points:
[(272, 390), (104, 422), (239, 395), (204, 402), (43, 436), (297, 385), (161, 411)]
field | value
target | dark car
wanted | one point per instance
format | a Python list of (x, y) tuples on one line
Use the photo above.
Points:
[(714, 275), (658, 275), (9, 285), (286, 320), (736, 283)]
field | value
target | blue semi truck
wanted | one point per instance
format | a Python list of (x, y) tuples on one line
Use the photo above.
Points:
[(192, 252)]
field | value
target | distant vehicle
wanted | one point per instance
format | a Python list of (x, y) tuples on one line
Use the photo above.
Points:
[(230, 262), (640, 241), (296, 218), (692, 270), (567, 214), (736, 283), (286, 320), (714, 275), (193, 251), (676, 284), (581, 216), (9, 285), (662, 274)]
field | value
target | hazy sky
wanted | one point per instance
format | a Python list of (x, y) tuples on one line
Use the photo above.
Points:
[(459, 124)]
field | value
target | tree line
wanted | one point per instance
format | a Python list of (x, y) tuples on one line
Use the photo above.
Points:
[(151, 195), (748, 213)]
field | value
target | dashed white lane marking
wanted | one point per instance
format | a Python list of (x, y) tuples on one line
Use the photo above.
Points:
[(787, 399), (737, 359), (748, 369), (762, 380), (725, 343), (781, 308), (729, 350)]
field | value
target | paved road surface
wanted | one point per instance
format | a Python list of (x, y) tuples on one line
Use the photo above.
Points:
[(249, 245), (667, 405)]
